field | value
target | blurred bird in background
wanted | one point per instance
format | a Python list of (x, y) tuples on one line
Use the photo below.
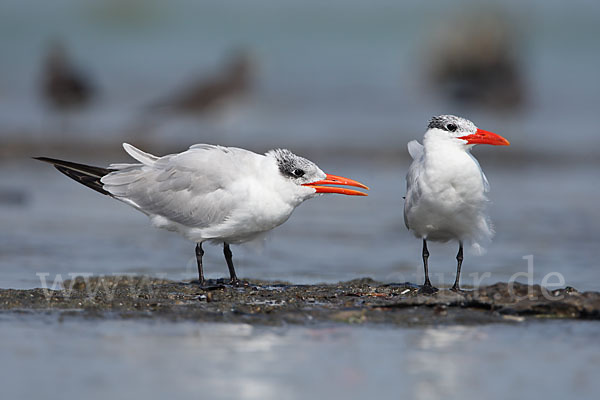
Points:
[(209, 93), (474, 59), (64, 86)]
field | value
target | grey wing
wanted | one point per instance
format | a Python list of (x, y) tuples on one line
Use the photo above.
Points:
[(190, 188), (415, 149), (413, 190), (486, 183)]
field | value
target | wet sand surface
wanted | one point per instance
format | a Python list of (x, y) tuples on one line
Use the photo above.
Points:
[(276, 303)]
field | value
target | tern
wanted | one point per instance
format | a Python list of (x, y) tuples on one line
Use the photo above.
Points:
[(212, 193), (445, 188)]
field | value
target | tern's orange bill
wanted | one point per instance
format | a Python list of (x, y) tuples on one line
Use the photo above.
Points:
[(485, 137), (337, 180)]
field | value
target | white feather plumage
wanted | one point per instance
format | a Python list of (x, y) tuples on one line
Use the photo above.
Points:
[(445, 193), (215, 193)]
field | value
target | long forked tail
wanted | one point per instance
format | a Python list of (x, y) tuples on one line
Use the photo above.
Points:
[(85, 174)]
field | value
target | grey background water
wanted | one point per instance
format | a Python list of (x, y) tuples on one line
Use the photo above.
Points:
[(235, 361), (345, 84)]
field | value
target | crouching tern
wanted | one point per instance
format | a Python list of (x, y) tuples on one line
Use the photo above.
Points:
[(445, 188), (212, 193)]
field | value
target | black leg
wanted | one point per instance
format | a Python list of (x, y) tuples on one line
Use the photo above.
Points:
[(199, 254), (459, 258), (228, 257), (425, 264), (427, 288)]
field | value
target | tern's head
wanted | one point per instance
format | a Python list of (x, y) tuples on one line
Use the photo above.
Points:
[(303, 172), (462, 130)]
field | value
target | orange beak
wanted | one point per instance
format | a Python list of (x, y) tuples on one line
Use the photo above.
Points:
[(485, 137), (337, 180)]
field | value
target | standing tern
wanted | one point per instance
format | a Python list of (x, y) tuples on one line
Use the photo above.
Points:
[(445, 188), (212, 193)]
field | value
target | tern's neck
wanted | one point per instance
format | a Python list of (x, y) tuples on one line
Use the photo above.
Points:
[(435, 143)]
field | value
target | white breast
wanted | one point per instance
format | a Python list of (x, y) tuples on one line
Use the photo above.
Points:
[(445, 197)]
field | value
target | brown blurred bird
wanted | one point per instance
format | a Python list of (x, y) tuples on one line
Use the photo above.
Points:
[(64, 87), (207, 93), (474, 60)]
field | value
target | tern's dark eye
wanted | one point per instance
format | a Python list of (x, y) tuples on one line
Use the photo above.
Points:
[(298, 172), (451, 127)]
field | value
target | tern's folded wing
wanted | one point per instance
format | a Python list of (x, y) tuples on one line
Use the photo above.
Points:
[(193, 188), (413, 189), (415, 149)]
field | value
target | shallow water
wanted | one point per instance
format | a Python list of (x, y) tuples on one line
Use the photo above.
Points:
[(64, 228), (153, 360)]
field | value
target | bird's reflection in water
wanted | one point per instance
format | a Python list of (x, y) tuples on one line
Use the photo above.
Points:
[(436, 362)]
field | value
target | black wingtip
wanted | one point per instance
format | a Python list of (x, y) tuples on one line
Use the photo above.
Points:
[(87, 175), (49, 160)]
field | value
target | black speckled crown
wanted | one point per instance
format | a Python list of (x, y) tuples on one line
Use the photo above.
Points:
[(442, 121)]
